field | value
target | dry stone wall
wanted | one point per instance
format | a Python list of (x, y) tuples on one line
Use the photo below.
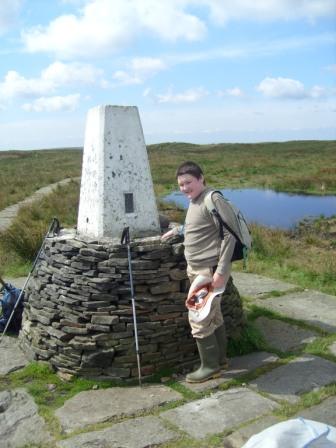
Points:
[(78, 311)]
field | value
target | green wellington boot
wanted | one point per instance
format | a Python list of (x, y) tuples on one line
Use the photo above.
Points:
[(221, 338), (208, 351)]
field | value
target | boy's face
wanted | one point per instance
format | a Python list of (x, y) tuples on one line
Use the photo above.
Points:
[(190, 185)]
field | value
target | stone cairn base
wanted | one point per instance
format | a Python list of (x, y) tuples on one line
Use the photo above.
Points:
[(78, 310)]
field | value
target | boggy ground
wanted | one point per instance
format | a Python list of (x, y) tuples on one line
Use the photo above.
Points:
[(293, 374)]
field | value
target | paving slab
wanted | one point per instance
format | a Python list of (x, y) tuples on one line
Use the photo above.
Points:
[(256, 286), (99, 406), (241, 436), (12, 357), (219, 412), (312, 307), (324, 412), (238, 366), (20, 424), (303, 374), (139, 432), (283, 336)]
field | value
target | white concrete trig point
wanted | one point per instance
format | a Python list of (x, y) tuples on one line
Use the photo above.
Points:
[(116, 186)]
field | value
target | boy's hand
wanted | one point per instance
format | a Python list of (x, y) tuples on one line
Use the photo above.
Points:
[(167, 235), (217, 281)]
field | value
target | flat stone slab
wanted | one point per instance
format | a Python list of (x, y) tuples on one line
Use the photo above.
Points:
[(256, 286), (135, 433), (11, 356), (242, 435), (312, 307), (221, 411), (20, 424), (99, 406), (283, 336), (303, 374), (238, 366), (324, 412)]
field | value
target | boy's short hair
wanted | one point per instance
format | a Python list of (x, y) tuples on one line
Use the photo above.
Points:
[(191, 168)]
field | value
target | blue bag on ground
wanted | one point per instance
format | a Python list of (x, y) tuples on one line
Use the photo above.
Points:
[(8, 301)]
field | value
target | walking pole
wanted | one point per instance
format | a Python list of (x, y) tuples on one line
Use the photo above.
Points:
[(54, 227), (125, 239)]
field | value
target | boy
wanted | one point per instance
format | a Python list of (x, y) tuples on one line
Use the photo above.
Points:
[(209, 255)]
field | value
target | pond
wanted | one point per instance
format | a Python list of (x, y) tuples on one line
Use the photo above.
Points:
[(272, 209)]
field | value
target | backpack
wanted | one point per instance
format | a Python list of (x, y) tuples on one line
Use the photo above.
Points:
[(8, 301), (241, 232)]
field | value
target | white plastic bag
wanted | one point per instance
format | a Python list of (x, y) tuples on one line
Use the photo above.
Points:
[(295, 433)]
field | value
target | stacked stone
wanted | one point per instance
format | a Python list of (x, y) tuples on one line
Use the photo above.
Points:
[(78, 312)]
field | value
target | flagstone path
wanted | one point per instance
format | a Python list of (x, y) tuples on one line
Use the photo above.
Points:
[(158, 415), (8, 214)]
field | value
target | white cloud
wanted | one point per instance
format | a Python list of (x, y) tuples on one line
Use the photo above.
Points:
[(123, 77), (291, 89), (188, 96), (102, 26), (55, 75), (140, 69), (60, 73), (105, 26), (235, 91), (274, 121), (53, 103), (15, 85), (318, 92), (9, 10), (268, 10), (282, 88), (169, 20)]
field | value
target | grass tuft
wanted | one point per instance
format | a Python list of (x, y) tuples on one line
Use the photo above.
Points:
[(249, 341)]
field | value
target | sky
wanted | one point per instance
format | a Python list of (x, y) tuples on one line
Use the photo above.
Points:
[(199, 71)]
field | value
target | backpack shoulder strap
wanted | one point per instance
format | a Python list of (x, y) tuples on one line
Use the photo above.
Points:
[(209, 202), (212, 209)]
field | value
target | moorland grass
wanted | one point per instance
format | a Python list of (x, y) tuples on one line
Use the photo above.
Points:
[(28, 229), (304, 257), (295, 166), (24, 172)]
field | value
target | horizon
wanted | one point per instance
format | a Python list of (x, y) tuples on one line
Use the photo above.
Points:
[(199, 71), (176, 143)]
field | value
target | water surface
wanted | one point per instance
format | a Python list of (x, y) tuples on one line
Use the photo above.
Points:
[(272, 209)]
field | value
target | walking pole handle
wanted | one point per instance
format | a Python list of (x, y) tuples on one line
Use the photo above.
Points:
[(54, 228), (125, 236)]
